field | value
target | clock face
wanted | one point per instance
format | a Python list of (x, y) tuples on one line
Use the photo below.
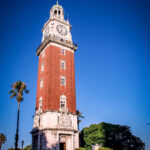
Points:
[(61, 30)]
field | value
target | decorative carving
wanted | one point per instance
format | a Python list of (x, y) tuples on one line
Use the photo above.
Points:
[(58, 40), (55, 134), (65, 120)]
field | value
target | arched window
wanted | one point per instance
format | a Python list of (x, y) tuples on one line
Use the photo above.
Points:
[(63, 81), (62, 65), (59, 12), (63, 102), (42, 67), (41, 83), (55, 12)]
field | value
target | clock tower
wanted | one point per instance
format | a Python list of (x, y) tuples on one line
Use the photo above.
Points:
[(55, 122)]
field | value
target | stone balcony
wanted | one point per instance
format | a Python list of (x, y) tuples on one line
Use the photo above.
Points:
[(58, 40)]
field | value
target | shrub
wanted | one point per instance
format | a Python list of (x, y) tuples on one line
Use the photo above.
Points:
[(104, 148), (81, 148), (117, 137)]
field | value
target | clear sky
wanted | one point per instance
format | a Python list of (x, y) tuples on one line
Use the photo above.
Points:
[(112, 61)]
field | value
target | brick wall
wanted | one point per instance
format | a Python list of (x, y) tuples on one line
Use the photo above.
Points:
[(52, 90)]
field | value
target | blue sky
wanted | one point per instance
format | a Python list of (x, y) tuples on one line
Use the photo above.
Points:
[(112, 62)]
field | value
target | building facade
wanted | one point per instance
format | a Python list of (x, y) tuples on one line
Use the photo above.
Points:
[(55, 122)]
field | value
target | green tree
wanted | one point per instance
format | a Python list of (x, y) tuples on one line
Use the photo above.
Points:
[(116, 137), (18, 88), (91, 136), (79, 117), (27, 147), (2, 139), (81, 148), (104, 148), (14, 149)]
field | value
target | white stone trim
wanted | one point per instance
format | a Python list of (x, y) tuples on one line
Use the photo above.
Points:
[(62, 52), (41, 83), (63, 102), (62, 80), (53, 130), (63, 64), (42, 67), (43, 53), (56, 45), (49, 120), (55, 137), (60, 46)]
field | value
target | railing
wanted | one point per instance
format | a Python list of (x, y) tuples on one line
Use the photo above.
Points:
[(57, 39)]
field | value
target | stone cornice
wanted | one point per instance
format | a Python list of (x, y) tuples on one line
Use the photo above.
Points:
[(58, 40), (57, 129), (61, 21), (44, 112)]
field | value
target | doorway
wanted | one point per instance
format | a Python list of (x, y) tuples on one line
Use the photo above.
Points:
[(62, 146)]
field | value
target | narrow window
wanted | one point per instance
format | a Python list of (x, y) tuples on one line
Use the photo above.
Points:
[(55, 12), (41, 142), (39, 121), (63, 64), (59, 12), (62, 52), (40, 104), (63, 102), (35, 142), (41, 83), (42, 67), (58, 120), (43, 54), (63, 81)]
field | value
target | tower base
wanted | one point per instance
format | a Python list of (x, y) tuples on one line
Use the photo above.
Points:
[(55, 135)]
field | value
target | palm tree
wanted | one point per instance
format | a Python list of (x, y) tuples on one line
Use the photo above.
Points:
[(79, 117), (2, 139), (17, 91)]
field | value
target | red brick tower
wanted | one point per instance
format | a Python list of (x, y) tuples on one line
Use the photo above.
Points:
[(55, 122)]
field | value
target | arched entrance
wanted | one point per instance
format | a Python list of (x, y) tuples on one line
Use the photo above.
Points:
[(63, 142)]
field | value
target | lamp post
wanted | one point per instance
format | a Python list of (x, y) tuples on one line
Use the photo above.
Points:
[(22, 143)]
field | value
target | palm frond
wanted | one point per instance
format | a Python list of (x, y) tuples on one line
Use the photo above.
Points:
[(13, 95), (14, 86), (81, 116), (23, 85), (26, 91), (79, 121), (11, 91), (2, 138), (18, 89)]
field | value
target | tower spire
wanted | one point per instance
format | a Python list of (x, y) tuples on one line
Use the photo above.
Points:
[(57, 2)]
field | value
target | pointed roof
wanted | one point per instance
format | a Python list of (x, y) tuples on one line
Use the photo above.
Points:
[(57, 5)]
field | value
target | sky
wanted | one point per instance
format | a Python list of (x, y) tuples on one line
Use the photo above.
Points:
[(112, 63)]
